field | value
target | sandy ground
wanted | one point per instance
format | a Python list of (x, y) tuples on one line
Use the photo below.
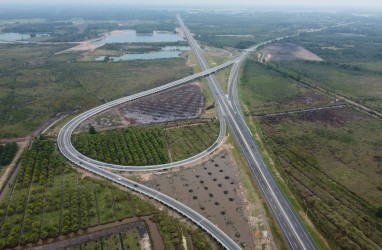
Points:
[(288, 52), (212, 189)]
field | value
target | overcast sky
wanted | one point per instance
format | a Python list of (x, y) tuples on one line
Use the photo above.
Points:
[(326, 3)]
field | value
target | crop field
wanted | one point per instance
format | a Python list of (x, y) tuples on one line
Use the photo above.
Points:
[(35, 84), (185, 141), (148, 145), (49, 198)]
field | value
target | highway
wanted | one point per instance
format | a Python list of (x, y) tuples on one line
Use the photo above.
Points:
[(96, 167), (76, 157), (198, 219), (294, 232), (99, 168)]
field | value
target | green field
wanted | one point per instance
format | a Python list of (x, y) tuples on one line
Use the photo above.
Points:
[(360, 85), (35, 84), (264, 90), (148, 145)]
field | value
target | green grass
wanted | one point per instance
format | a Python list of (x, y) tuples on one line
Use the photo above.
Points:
[(264, 90), (35, 84), (359, 85), (148, 145), (223, 77)]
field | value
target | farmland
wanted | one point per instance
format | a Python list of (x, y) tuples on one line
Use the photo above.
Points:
[(7, 153), (49, 198), (148, 145)]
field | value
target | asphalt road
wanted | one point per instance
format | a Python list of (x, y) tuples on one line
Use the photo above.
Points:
[(291, 226), (294, 232), (98, 168), (76, 157)]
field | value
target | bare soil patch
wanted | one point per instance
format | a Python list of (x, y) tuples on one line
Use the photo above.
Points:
[(289, 52), (184, 102), (213, 190)]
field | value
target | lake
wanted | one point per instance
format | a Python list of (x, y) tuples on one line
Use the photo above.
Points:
[(145, 56), (13, 37), (17, 37), (131, 36)]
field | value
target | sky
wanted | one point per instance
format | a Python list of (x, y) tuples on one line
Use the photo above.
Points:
[(292, 3)]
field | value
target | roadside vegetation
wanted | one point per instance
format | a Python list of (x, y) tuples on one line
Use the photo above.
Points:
[(49, 198), (329, 158), (148, 145)]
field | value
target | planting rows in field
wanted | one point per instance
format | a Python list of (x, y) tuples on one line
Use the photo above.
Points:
[(148, 145), (49, 198)]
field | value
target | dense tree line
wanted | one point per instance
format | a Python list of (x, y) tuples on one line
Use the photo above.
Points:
[(7, 152)]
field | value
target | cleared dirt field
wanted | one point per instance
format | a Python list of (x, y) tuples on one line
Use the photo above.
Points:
[(288, 52), (183, 102), (213, 189)]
